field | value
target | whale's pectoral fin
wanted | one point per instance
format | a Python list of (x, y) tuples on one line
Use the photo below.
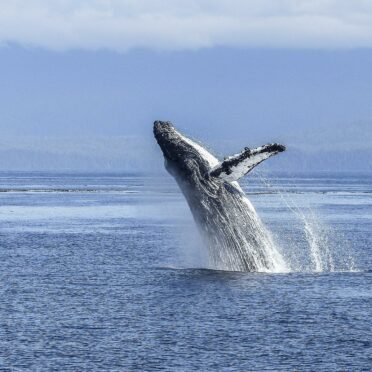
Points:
[(236, 166)]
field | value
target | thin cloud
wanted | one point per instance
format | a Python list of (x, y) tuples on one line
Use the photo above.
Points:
[(121, 25)]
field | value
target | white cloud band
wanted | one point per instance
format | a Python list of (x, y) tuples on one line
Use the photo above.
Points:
[(186, 24)]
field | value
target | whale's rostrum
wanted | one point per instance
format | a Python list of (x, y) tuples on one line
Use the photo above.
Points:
[(230, 227)]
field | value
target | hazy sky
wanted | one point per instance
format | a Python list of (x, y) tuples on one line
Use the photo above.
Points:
[(215, 92), (186, 24), (254, 71)]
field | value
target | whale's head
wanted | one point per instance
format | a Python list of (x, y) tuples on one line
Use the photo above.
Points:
[(189, 161), (183, 157)]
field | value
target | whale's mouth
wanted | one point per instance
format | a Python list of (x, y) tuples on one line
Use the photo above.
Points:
[(182, 155), (162, 127), (165, 133), (167, 138)]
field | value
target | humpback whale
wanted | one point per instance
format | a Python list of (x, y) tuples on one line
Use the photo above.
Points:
[(235, 237)]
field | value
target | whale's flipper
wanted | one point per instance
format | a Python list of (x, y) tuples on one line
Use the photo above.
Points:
[(236, 166)]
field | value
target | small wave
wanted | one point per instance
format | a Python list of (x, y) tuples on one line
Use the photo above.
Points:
[(66, 190), (207, 270), (221, 271), (132, 191), (322, 192)]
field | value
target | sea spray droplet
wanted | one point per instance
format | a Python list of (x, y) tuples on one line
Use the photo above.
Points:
[(326, 249)]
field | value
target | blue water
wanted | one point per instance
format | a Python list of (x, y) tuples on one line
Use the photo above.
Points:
[(105, 272)]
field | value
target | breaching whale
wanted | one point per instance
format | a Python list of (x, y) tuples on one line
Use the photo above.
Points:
[(229, 225)]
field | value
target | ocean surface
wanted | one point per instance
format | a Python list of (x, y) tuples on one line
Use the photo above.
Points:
[(106, 272)]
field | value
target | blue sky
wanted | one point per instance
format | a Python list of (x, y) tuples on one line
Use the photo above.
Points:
[(243, 72)]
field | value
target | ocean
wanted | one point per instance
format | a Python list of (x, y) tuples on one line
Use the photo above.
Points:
[(106, 272)]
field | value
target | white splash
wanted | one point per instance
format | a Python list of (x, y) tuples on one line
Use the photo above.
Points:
[(323, 255)]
